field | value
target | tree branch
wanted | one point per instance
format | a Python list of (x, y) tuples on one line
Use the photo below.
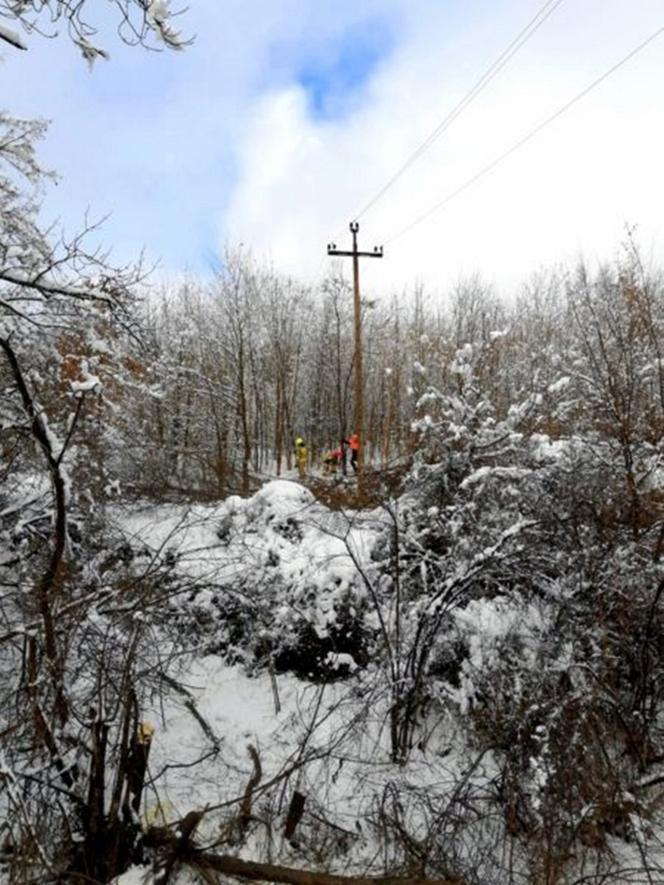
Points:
[(264, 872)]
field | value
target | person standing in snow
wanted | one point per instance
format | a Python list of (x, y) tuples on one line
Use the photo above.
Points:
[(354, 443), (301, 456)]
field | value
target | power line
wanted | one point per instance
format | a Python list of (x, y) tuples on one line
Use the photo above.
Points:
[(526, 138), (522, 37)]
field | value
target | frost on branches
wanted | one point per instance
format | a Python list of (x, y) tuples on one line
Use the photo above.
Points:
[(66, 319), (144, 22)]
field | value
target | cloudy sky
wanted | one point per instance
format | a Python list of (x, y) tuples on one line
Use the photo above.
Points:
[(284, 119)]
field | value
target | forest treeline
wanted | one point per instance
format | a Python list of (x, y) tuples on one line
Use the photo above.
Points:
[(206, 389)]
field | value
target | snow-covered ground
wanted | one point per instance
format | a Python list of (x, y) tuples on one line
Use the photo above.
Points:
[(328, 741), (223, 537)]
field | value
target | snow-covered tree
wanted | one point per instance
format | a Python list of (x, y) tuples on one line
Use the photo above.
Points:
[(145, 22)]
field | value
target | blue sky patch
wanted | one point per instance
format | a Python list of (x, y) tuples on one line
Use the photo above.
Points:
[(337, 75)]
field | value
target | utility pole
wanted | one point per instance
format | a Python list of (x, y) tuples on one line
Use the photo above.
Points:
[(358, 410)]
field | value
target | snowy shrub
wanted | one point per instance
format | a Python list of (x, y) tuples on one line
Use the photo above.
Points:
[(317, 634), (324, 652), (520, 591), (288, 596)]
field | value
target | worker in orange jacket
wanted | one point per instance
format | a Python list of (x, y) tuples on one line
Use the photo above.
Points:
[(354, 443)]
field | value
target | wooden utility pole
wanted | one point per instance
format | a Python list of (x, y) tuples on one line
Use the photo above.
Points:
[(358, 410)]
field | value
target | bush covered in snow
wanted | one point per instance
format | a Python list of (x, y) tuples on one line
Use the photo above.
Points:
[(278, 588), (525, 596)]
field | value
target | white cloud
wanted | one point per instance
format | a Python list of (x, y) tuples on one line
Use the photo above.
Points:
[(218, 144), (570, 190)]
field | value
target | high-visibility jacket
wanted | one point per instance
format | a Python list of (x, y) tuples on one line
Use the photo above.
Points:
[(354, 442)]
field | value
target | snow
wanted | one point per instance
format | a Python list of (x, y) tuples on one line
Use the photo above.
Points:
[(255, 533), (90, 384), (546, 449), (483, 473), (98, 345), (331, 741), (337, 661), (135, 876), (159, 9), (316, 728), (559, 385), (240, 709), (159, 16), (282, 496), (485, 624)]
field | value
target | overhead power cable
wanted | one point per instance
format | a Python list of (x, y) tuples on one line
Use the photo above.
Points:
[(526, 138), (522, 37)]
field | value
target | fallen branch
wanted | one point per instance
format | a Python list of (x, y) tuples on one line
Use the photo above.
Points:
[(245, 808), (265, 872), (185, 852), (184, 834), (190, 704)]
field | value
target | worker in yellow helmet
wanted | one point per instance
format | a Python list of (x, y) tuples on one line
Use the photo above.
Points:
[(301, 456)]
